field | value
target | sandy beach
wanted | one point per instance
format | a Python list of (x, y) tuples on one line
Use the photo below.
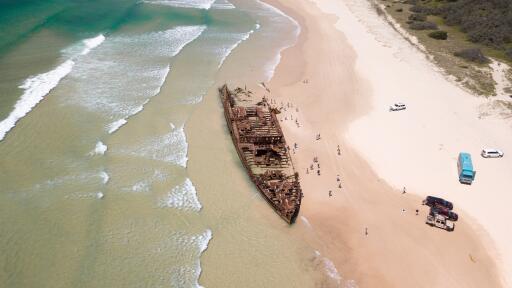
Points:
[(118, 169), (338, 81)]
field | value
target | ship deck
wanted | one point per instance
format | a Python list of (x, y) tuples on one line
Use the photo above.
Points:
[(262, 148)]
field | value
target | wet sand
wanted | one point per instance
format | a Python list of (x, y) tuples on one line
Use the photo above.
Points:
[(317, 77)]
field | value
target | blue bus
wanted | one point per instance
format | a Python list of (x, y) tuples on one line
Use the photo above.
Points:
[(465, 167)]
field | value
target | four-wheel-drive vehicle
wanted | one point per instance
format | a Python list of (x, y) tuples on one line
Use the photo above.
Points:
[(440, 221), (441, 210), (431, 201), (397, 107), (492, 153)]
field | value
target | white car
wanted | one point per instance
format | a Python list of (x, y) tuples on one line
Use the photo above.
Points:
[(397, 107), (492, 153)]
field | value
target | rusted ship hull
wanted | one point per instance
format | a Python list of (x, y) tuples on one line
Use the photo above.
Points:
[(261, 146)]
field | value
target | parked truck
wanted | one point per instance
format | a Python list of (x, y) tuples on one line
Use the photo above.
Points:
[(433, 201), (441, 210), (465, 168), (440, 221)]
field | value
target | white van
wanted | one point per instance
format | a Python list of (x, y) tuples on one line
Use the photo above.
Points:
[(491, 153), (397, 107)]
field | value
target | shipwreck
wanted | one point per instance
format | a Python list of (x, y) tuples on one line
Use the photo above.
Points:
[(261, 146)]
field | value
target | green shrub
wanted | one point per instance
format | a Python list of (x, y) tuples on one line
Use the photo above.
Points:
[(423, 26), (417, 17), (509, 53), (473, 55), (439, 35)]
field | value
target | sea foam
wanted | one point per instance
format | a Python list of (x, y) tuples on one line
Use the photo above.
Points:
[(114, 126), (85, 195), (104, 176), (226, 51), (271, 66), (306, 222), (183, 197), (141, 186), (328, 268), (191, 247), (222, 4), (119, 85), (99, 149), (35, 89), (146, 183), (197, 4), (92, 43), (171, 147)]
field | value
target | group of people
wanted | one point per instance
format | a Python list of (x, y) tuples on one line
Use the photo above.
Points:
[(284, 108), (315, 160), (339, 184)]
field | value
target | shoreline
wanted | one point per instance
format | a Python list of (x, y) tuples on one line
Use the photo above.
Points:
[(333, 78)]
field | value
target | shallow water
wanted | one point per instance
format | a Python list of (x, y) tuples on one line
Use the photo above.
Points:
[(117, 169)]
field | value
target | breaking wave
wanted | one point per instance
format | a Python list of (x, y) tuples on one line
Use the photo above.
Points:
[(146, 184), (197, 4), (183, 196), (171, 147), (271, 66), (37, 87), (114, 126), (328, 267), (191, 247), (92, 43), (226, 51), (223, 44), (126, 71), (83, 47), (222, 5)]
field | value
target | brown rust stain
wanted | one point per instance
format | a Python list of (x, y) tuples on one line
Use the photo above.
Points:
[(261, 146)]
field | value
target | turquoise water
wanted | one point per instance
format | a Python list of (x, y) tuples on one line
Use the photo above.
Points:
[(36, 32), (98, 124)]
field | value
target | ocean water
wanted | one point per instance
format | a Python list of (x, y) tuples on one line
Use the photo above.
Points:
[(116, 169)]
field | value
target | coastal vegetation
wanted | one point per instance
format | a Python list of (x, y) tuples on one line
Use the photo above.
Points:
[(472, 54), (439, 35), (473, 33), (423, 25), (485, 22)]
